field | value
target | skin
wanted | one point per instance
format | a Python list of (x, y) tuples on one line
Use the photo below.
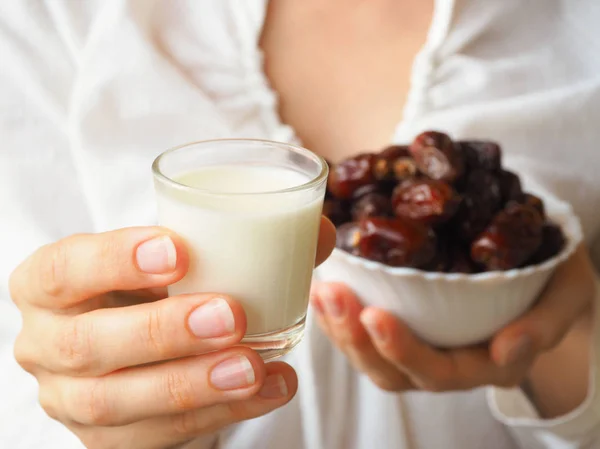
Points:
[(84, 296), (546, 350), (342, 68), (364, 51)]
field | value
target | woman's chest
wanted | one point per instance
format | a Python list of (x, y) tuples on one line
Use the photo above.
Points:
[(342, 70)]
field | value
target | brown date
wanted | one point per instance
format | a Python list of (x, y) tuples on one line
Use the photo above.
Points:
[(487, 187), (481, 200), (481, 155), (553, 241), (437, 156), (531, 200), (371, 205), (426, 200), (383, 188), (450, 257), (396, 170), (386, 187), (336, 210), (512, 238), (471, 219), (439, 263), (349, 175), (510, 186), (460, 261), (396, 242), (395, 163), (367, 189), (348, 238), (394, 152), (441, 260)]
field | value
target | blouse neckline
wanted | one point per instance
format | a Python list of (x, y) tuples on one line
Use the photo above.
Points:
[(251, 19)]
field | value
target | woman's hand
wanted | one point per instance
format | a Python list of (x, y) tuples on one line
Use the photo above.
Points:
[(385, 349), (121, 365)]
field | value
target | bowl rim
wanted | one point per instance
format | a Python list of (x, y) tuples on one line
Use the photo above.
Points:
[(561, 214)]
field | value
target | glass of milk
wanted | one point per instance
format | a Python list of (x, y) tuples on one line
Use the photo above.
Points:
[(250, 212)]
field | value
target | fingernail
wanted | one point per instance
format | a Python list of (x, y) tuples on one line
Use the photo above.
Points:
[(334, 307), (233, 373), (157, 256), (372, 326), (274, 387), (519, 351), (212, 319)]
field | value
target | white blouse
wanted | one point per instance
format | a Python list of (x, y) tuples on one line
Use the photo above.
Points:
[(92, 90)]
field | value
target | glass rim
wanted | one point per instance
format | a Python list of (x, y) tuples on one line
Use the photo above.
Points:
[(313, 182)]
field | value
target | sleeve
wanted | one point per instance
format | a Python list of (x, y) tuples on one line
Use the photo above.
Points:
[(579, 429), (38, 45), (24, 425), (61, 72)]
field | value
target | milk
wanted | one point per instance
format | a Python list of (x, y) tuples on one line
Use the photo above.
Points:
[(257, 247)]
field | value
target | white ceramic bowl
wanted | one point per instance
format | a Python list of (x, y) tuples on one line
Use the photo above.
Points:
[(451, 310)]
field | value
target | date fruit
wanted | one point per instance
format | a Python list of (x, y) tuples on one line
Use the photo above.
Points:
[(438, 205), (426, 200), (349, 175), (460, 261), (371, 205), (481, 155), (533, 201), (510, 186), (440, 261), (366, 190), (395, 163), (487, 187), (348, 238), (553, 241), (394, 152), (437, 156), (396, 242), (481, 200), (336, 210), (512, 238)]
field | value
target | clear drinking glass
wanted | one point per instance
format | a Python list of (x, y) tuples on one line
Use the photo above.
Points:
[(249, 211)]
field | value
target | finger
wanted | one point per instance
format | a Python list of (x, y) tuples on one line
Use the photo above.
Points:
[(434, 369), (566, 297), (340, 317), (326, 240), (317, 306), (79, 267), (339, 307), (177, 386), (279, 388), (105, 340)]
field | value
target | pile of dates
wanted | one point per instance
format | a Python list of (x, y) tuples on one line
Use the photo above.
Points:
[(438, 205)]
